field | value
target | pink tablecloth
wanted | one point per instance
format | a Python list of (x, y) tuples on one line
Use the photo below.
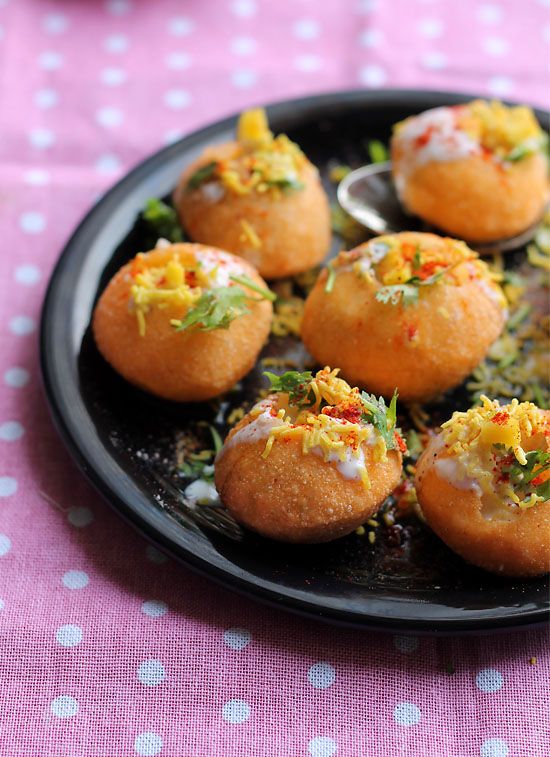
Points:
[(106, 647)]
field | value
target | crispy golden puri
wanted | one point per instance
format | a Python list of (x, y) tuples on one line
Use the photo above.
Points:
[(309, 472), (260, 198), (413, 311), (136, 321), (490, 503)]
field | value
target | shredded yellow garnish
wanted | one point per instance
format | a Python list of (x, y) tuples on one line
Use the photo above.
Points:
[(249, 234), (287, 317), (498, 127), (471, 436)]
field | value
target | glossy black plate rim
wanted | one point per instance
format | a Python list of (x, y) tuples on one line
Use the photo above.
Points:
[(127, 499)]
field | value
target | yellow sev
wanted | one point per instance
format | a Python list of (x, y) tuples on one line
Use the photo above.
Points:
[(470, 437), (336, 438), (163, 286)]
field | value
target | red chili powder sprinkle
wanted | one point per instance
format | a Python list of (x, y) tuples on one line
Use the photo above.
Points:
[(412, 330), (500, 418), (400, 442)]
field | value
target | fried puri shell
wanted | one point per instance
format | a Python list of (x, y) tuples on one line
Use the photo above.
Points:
[(476, 198), (514, 543), (293, 227), (422, 349), (296, 497), (180, 366)]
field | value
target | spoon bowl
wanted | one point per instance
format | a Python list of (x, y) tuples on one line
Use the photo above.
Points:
[(369, 196)]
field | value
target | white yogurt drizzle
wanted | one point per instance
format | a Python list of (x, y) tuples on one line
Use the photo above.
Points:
[(445, 142), (450, 469), (212, 191), (261, 426), (202, 492)]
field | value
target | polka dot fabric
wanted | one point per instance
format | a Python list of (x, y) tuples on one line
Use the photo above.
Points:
[(108, 648)]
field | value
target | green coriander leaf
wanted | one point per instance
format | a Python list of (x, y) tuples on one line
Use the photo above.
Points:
[(397, 293), (524, 477), (205, 173), (417, 259), (266, 294), (378, 152), (215, 309), (293, 383), (163, 220), (216, 438), (286, 184), (381, 417)]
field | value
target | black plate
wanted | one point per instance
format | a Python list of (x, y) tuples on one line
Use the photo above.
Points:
[(124, 441)]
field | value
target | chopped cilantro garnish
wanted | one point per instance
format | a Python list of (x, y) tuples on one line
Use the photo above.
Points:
[(266, 294), (408, 292), (163, 219), (217, 308), (529, 147), (383, 418), (203, 174), (286, 184), (417, 258), (293, 383), (378, 152), (531, 477), (331, 277)]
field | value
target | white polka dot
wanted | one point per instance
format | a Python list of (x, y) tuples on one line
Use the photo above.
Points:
[(494, 748), (371, 38), (177, 98), (107, 164), (41, 138), (178, 61), (55, 23), (546, 33), (430, 27), (27, 274), (75, 579), (68, 636), (32, 222), (372, 75), (50, 60), (321, 675), (37, 177), (306, 28), (118, 7), (500, 85), (46, 98), (2, 604), (243, 46), (308, 63), (80, 517), (180, 26), (366, 6), (406, 713), (22, 325), (64, 707), (151, 672), (172, 136), (489, 680), (155, 555), (405, 644), (322, 746), (109, 117), (489, 14), (1, 32), (113, 77), (434, 60), (148, 744), (8, 486), (244, 78), (154, 608), (237, 638), (243, 8), (235, 711), (544, 3), (5, 541), (16, 377), (495, 46), (10, 431), (116, 43)]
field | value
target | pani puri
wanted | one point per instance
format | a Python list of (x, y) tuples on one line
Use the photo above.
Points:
[(477, 171), (183, 321), (484, 485), (258, 197), (413, 311), (312, 461)]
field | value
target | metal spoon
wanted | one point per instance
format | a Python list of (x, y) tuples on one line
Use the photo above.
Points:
[(368, 195)]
